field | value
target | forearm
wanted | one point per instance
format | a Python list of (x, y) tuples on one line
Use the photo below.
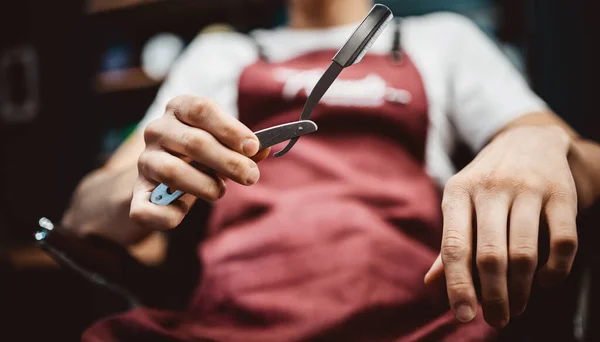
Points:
[(584, 159), (100, 206), (100, 203), (583, 155)]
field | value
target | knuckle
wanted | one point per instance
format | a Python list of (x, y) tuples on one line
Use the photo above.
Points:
[(459, 286), (185, 208), (86, 229), (454, 246), (193, 142), (192, 109), (237, 167), (494, 300), (230, 134), (212, 191), (533, 186), (456, 185), (565, 245), (168, 171), (559, 193), (523, 258), (515, 183), (139, 215), (497, 181), (491, 259), (174, 105), (202, 109), (143, 163), (153, 131), (173, 221), (456, 189)]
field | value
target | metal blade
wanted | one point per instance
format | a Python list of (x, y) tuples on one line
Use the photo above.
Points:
[(278, 134), (315, 96)]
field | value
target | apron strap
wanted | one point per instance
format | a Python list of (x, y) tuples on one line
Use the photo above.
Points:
[(397, 51), (260, 49)]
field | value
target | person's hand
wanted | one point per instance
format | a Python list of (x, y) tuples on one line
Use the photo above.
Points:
[(521, 176), (192, 129)]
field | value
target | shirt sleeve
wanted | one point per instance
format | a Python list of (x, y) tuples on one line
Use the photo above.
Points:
[(486, 90), (210, 66)]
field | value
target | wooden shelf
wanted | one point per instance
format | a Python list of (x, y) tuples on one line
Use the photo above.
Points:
[(133, 13), (26, 256), (99, 6), (137, 20), (124, 79)]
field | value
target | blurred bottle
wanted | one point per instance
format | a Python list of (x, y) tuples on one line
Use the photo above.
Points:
[(117, 56), (159, 53)]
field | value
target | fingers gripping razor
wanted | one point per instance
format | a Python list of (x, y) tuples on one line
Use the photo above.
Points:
[(267, 138)]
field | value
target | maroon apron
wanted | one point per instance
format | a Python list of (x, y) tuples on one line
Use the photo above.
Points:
[(333, 242)]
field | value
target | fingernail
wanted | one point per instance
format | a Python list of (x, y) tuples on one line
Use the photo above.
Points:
[(253, 176), (464, 313), (223, 189), (502, 324), (517, 312), (250, 147), (426, 278)]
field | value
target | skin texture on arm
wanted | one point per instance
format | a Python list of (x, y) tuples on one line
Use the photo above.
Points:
[(583, 157), (101, 202), (536, 168)]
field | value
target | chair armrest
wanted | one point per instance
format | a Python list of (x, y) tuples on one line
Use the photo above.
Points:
[(103, 263), (589, 299)]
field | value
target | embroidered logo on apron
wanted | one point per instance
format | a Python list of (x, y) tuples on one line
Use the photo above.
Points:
[(370, 91)]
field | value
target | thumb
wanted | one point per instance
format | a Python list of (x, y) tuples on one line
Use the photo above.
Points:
[(436, 272), (261, 155)]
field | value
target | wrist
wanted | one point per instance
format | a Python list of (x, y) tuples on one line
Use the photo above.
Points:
[(577, 151), (588, 186), (546, 136), (101, 198)]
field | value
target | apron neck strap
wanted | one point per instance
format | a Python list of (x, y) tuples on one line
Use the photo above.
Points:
[(396, 44)]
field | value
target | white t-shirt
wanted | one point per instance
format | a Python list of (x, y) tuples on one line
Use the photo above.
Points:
[(472, 89)]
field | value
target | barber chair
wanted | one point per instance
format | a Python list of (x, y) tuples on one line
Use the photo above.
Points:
[(113, 269), (564, 314)]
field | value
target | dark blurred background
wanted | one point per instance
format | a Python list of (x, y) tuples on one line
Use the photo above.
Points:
[(77, 76)]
